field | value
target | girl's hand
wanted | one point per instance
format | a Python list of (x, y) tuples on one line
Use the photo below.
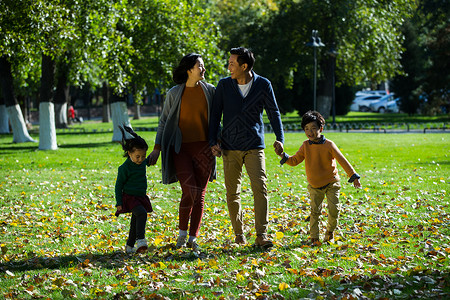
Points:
[(357, 184), (153, 157)]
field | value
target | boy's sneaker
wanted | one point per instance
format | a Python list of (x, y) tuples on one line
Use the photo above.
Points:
[(263, 242), (181, 242), (313, 242), (328, 236), (141, 246), (130, 250), (240, 239)]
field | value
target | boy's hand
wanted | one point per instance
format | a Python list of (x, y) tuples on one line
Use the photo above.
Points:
[(278, 147), (153, 157), (357, 184)]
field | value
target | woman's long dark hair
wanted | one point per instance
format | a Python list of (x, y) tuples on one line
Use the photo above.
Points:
[(187, 62), (134, 143)]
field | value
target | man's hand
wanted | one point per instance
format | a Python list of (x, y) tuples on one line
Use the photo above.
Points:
[(357, 184), (153, 157), (216, 150), (278, 147)]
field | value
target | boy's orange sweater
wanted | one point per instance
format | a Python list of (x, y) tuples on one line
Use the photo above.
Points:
[(320, 162), (193, 103)]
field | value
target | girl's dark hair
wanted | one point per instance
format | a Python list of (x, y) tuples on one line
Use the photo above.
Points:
[(187, 62), (245, 56), (313, 116), (136, 142)]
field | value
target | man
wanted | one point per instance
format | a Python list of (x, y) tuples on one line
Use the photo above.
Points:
[(239, 101)]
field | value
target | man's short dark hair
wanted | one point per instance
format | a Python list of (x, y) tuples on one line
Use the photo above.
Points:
[(245, 56), (313, 116)]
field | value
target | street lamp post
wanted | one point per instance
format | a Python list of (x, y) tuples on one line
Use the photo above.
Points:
[(315, 43)]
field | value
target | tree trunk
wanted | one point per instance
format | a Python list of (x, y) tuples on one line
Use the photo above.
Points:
[(137, 111), (61, 95), (47, 129), (4, 120), (325, 90), (19, 128), (119, 113), (105, 111)]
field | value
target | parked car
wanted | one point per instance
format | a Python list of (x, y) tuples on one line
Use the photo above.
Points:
[(369, 92), (393, 106), (381, 105), (363, 103)]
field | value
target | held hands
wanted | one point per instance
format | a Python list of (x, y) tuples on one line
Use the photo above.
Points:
[(153, 157), (278, 147), (119, 208), (216, 150)]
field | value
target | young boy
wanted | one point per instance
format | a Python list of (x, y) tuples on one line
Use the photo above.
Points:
[(320, 156)]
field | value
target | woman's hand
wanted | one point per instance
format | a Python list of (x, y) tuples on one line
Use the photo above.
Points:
[(216, 150), (153, 157)]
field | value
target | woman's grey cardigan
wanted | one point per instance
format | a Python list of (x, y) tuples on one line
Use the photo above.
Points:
[(169, 133)]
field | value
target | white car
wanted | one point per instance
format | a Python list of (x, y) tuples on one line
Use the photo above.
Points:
[(393, 106), (363, 103), (382, 104), (369, 92)]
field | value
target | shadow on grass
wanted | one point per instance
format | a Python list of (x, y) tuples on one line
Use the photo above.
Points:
[(29, 147), (166, 254), (411, 282)]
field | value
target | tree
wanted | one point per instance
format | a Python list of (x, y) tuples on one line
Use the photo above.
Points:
[(365, 34), (144, 40), (13, 36)]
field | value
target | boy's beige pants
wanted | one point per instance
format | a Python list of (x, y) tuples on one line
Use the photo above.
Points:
[(317, 195)]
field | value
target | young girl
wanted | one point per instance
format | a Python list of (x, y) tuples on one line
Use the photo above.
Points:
[(131, 188)]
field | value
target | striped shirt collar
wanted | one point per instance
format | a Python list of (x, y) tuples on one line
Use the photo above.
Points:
[(321, 141)]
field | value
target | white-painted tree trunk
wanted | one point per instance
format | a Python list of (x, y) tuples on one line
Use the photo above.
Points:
[(19, 128), (4, 119), (119, 115), (47, 129), (61, 114)]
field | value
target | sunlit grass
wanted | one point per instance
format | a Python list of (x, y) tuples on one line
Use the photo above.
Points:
[(59, 237)]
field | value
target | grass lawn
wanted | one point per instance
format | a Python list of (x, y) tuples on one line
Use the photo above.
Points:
[(60, 238)]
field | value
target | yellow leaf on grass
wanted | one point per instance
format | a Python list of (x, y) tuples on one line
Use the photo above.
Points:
[(239, 277), (162, 265), (279, 235), (212, 263), (157, 241), (283, 286)]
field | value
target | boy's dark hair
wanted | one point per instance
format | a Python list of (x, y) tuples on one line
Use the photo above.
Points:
[(187, 62), (134, 143), (245, 56), (313, 116)]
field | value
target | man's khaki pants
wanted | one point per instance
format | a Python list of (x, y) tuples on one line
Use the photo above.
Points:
[(255, 164), (317, 195)]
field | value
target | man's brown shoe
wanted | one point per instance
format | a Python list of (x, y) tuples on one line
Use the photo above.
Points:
[(240, 239), (328, 236), (263, 242)]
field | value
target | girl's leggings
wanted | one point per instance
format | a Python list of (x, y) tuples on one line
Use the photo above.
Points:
[(137, 226)]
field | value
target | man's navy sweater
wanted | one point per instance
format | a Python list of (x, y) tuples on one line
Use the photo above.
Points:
[(243, 127)]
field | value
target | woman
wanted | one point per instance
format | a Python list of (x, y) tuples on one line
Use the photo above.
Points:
[(182, 137)]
